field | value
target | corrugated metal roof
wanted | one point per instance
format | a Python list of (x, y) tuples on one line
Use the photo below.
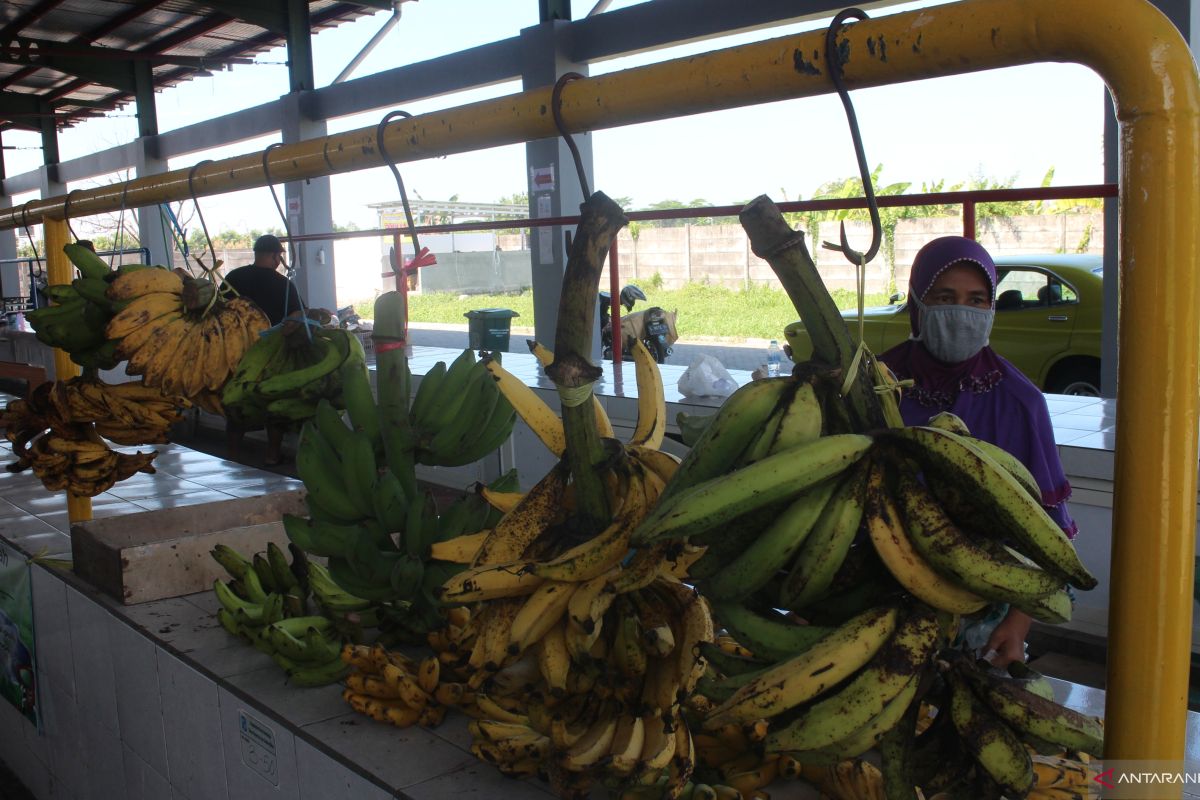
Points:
[(56, 51)]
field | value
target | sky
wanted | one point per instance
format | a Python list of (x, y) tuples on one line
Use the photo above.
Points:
[(1012, 124)]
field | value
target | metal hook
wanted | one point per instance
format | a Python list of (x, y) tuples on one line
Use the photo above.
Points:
[(412, 226), (67, 213), (556, 110), (287, 229), (199, 213), (834, 64)]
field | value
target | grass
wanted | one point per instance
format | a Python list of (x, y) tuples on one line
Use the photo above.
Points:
[(760, 312)]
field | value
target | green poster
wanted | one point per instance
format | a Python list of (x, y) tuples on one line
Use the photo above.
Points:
[(16, 632)]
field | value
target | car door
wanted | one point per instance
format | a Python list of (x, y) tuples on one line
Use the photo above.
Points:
[(1035, 315)]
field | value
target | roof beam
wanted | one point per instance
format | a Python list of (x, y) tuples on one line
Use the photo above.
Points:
[(35, 51), (31, 16), (103, 72), (377, 5)]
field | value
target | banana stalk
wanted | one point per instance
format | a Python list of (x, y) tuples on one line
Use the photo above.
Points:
[(770, 239), (394, 390), (600, 220)]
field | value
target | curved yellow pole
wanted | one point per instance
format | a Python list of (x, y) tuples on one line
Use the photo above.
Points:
[(60, 270), (1147, 66)]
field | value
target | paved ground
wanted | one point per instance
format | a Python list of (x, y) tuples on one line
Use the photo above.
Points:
[(734, 355)]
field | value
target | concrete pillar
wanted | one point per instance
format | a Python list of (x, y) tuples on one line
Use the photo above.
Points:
[(309, 208), (553, 186)]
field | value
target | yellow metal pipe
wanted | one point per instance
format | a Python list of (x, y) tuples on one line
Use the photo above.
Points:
[(60, 270), (1147, 66)]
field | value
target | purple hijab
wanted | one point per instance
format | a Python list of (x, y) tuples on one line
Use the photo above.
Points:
[(997, 402)]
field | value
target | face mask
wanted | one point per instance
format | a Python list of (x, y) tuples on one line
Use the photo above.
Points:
[(954, 333)]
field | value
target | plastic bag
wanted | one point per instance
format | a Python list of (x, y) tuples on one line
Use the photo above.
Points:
[(706, 377)]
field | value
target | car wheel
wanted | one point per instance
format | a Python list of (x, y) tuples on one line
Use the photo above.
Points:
[(1079, 379)]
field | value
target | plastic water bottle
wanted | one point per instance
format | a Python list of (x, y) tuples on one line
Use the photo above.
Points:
[(774, 359)]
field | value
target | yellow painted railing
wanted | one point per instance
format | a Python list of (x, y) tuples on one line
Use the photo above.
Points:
[(1147, 66)]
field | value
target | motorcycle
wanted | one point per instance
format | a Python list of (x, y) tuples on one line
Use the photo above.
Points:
[(654, 326)]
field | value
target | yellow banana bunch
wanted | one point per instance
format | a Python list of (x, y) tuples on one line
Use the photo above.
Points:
[(65, 454), (177, 334), (126, 413), (391, 687)]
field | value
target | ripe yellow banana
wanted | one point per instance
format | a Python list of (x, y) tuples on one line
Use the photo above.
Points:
[(652, 404), (541, 419), (527, 521)]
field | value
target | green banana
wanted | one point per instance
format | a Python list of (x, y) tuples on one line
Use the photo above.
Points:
[(715, 502), (772, 549), (886, 676), (319, 466), (810, 674), (294, 409), (360, 473), (321, 537), (449, 445), (86, 261), (94, 290), (821, 554), (801, 419), (310, 675), (998, 498), (347, 577), (725, 438), (772, 638), (952, 553), (390, 502), (1010, 463), (760, 448), (360, 401), (330, 593), (253, 365), (406, 576), (445, 406), (990, 741), (233, 604), (61, 293), (427, 389), (329, 422), (493, 433), (1030, 679), (328, 359), (1043, 719), (868, 736), (266, 575), (280, 568), (728, 663), (231, 560), (896, 751)]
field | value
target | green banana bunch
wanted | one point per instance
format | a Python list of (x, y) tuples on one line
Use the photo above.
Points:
[(481, 421), (77, 323)]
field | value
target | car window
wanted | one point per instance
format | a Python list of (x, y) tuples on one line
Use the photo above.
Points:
[(1018, 288), (1026, 288)]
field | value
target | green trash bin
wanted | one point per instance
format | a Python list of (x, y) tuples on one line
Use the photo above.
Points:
[(488, 328)]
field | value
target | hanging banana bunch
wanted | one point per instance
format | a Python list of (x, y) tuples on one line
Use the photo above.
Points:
[(176, 333)]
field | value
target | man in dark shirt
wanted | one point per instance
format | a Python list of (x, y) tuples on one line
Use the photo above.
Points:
[(277, 297), (270, 291)]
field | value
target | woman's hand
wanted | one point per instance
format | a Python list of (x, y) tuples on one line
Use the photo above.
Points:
[(1008, 639)]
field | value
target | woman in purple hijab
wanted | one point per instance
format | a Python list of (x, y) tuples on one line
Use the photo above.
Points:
[(951, 305)]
